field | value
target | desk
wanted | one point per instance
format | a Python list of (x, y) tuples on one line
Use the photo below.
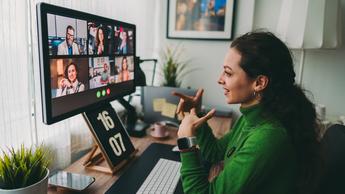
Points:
[(104, 181)]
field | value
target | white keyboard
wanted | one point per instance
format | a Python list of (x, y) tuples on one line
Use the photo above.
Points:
[(163, 178)]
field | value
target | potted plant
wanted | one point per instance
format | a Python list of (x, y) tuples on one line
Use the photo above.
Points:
[(174, 68), (24, 171)]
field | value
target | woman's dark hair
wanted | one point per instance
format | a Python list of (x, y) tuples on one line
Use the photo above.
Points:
[(106, 32), (124, 58), (264, 54), (97, 36), (76, 69)]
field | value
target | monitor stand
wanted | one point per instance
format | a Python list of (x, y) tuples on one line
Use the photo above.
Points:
[(113, 144), (135, 127)]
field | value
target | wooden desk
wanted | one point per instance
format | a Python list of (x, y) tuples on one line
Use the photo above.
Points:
[(104, 181)]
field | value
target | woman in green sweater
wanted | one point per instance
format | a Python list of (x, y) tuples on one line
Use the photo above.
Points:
[(273, 148)]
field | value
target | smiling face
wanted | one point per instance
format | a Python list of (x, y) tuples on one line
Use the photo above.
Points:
[(72, 73), (238, 87), (70, 36)]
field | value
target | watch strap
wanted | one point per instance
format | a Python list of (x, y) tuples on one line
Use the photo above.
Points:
[(186, 142), (192, 149)]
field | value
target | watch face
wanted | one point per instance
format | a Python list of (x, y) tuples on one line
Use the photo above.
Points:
[(183, 143)]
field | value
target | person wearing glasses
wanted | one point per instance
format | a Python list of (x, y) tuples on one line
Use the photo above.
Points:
[(68, 47)]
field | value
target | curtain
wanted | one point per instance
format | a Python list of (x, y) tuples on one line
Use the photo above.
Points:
[(20, 99), (310, 24), (15, 103)]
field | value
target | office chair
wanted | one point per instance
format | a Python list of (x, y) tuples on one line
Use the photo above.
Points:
[(333, 144)]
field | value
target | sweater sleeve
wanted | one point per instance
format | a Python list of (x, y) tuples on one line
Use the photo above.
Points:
[(241, 172), (213, 149)]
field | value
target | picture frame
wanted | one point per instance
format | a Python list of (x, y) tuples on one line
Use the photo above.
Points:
[(200, 19)]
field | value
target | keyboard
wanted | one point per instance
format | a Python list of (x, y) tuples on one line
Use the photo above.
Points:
[(163, 178)]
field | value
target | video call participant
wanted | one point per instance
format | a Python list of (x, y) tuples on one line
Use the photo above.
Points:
[(105, 74), (68, 47), (274, 147), (70, 84), (117, 40), (124, 73), (124, 46), (99, 46)]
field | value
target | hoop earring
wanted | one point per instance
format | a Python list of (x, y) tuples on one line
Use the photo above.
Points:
[(254, 93)]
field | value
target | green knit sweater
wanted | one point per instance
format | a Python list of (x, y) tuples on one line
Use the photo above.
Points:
[(258, 158)]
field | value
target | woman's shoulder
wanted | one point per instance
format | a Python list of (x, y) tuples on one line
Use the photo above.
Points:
[(80, 84), (271, 130)]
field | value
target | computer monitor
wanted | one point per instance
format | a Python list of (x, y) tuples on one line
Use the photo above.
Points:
[(85, 60), (160, 105)]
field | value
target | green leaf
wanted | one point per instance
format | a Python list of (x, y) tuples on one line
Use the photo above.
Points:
[(174, 69), (23, 167)]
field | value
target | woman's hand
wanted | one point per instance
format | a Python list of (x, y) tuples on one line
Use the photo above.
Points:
[(64, 83), (100, 49), (188, 102), (191, 122), (215, 170)]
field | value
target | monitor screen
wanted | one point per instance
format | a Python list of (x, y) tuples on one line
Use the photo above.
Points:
[(85, 60)]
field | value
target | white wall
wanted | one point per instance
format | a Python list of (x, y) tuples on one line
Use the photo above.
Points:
[(207, 56), (324, 71)]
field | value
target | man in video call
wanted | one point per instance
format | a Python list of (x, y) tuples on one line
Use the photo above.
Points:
[(68, 47)]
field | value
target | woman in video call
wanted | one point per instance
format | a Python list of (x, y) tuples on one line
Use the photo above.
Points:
[(273, 147), (123, 47), (99, 41), (70, 84), (124, 73)]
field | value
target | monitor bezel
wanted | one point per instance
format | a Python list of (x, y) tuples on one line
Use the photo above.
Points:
[(44, 67)]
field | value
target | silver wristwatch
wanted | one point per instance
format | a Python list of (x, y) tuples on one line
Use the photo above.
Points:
[(186, 142)]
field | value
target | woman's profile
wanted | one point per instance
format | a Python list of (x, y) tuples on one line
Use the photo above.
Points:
[(69, 84), (273, 147)]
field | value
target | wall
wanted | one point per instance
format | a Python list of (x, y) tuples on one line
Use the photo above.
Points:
[(207, 56), (323, 71)]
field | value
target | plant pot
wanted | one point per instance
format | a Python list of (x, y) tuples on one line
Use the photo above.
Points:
[(41, 187)]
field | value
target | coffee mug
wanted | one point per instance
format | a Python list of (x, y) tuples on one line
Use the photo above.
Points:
[(159, 130), (342, 119)]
